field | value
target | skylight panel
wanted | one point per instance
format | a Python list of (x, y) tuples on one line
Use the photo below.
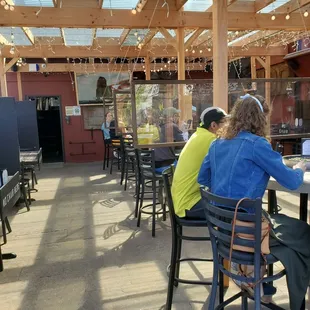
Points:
[(109, 33), (120, 4), (242, 37), (273, 6), (19, 37), (78, 37), (44, 3), (46, 32), (197, 5)]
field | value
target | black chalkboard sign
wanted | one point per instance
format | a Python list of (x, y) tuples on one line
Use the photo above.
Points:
[(284, 129)]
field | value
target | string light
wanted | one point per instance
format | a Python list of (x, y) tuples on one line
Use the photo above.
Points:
[(287, 17), (273, 17), (12, 50), (306, 14), (7, 6), (134, 11), (200, 51)]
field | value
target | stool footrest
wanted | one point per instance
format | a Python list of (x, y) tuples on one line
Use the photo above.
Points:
[(193, 282)]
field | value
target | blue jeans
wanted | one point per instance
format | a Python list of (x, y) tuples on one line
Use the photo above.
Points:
[(160, 170), (196, 212)]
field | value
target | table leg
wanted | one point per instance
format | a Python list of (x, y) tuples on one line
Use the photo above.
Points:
[(272, 205), (303, 214), (1, 261), (303, 207)]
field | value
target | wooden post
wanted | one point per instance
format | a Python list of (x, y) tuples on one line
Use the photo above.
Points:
[(4, 88), (147, 68), (268, 76), (181, 71), (220, 65), (220, 54), (253, 72), (19, 87)]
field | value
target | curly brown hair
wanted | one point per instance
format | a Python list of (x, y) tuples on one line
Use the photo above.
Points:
[(246, 115)]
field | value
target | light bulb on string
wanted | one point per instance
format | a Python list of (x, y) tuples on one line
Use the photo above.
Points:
[(3, 3), (139, 38), (287, 17), (12, 8), (193, 51), (134, 11), (12, 50), (306, 14), (136, 33), (200, 51), (7, 7), (273, 17)]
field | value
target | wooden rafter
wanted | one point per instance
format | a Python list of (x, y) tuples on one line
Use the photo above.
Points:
[(193, 37), (230, 2), (28, 34), (94, 34), (55, 3), (141, 5), (59, 4), (292, 6), (124, 36), (62, 32), (93, 18), (149, 36), (9, 65), (179, 4), (260, 4), (3, 40), (170, 39), (61, 51), (100, 4)]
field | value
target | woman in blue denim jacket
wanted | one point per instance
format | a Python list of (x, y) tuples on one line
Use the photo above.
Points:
[(239, 164)]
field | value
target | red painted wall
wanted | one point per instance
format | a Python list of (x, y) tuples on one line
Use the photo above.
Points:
[(60, 84)]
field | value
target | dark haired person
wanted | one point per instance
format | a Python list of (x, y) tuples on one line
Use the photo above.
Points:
[(239, 164), (185, 188)]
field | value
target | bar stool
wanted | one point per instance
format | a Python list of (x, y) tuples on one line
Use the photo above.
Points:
[(128, 159), (146, 161), (220, 225), (116, 148), (177, 225), (107, 146)]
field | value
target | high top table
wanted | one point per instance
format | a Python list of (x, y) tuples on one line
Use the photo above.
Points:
[(303, 192)]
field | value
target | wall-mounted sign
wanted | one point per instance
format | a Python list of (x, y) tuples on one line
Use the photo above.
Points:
[(284, 129), (73, 111)]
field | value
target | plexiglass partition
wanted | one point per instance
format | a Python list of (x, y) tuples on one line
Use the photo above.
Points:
[(166, 113), (120, 112)]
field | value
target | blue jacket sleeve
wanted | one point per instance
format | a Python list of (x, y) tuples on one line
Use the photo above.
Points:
[(204, 176), (271, 161)]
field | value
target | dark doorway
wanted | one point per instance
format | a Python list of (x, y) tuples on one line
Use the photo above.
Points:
[(49, 127)]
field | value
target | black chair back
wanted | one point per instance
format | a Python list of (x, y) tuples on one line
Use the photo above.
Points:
[(167, 180), (146, 159), (220, 224)]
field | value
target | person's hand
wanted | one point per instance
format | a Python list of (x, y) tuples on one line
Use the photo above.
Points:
[(301, 165)]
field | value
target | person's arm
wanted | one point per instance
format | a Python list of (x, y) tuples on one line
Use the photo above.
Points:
[(204, 176), (271, 161)]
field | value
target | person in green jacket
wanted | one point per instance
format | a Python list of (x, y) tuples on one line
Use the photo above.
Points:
[(185, 189)]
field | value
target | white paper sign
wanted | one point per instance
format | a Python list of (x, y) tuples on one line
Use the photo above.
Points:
[(305, 147), (73, 111)]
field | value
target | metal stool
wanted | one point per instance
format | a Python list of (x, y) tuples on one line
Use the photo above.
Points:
[(177, 225), (146, 161)]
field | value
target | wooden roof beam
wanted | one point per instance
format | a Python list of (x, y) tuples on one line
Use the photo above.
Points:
[(260, 4), (3, 40), (292, 6), (179, 4), (94, 18), (61, 51), (28, 34), (100, 4), (170, 39), (149, 36), (193, 37), (10, 64), (124, 36)]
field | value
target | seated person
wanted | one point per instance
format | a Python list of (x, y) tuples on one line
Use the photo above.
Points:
[(239, 164), (185, 189), (169, 132), (108, 128), (148, 132)]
